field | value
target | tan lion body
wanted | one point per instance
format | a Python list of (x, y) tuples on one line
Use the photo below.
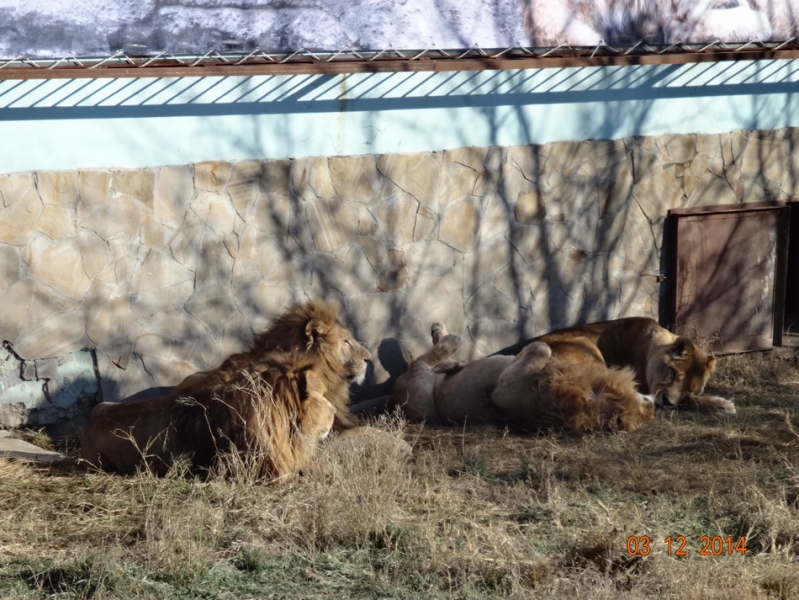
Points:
[(269, 405), (670, 367), (530, 391)]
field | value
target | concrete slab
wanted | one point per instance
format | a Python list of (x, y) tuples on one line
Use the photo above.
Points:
[(11, 447)]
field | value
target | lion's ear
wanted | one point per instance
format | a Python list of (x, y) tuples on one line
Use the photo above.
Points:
[(680, 349), (314, 330)]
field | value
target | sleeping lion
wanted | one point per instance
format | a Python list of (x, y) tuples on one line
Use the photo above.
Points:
[(532, 391)]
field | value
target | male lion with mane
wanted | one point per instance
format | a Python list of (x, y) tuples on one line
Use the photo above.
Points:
[(269, 405), (534, 390)]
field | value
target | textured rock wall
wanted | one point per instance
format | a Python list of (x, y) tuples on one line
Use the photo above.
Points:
[(101, 27), (168, 270)]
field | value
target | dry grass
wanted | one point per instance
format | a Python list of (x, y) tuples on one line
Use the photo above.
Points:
[(475, 513)]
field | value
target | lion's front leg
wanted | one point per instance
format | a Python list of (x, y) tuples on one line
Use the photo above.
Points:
[(707, 404)]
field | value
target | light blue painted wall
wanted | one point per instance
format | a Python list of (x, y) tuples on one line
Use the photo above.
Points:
[(130, 123)]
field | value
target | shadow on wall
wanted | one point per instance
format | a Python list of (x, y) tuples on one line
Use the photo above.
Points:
[(169, 270)]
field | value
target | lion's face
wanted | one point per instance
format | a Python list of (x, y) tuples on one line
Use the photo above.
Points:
[(680, 371), (334, 342), (354, 357)]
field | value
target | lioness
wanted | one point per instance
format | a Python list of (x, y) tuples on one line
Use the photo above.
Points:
[(270, 404), (531, 391), (670, 367)]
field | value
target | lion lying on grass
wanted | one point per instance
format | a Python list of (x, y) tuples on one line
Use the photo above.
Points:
[(670, 367), (534, 390), (267, 407)]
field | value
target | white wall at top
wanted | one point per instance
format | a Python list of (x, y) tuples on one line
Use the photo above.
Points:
[(54, 28), (132, 123)]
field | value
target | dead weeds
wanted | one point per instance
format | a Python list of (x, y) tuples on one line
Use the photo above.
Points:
[(475, 513)]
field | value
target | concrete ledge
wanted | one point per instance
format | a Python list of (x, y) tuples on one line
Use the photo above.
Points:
[(13, 448)]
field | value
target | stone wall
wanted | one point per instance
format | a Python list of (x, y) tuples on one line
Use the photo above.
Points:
[(165, 271)]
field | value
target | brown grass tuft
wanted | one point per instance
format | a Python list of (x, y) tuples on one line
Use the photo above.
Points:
[(474, 513)]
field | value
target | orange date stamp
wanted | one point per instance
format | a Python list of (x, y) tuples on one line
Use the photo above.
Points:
[(641, 545)]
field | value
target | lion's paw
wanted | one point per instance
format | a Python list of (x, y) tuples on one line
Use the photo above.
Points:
[(437, 331)]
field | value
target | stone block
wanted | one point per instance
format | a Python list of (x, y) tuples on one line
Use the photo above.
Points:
[(310, 179), (214, 263), (160, 271), (471, 157), (16, 301), (395, 272), (397, 217), (355, 178), (94, 188), (352, 273), (529, 208), (244, 185), (15, 186), (276, 177), (528, 242), (374, 316), (172, 194), (57, 221), (528, 159), (29, 395), (425, 225), (765, 156), (711, 189), (19, 217), (115, 329), (213, 176), (138, 184), (367, 222), (216, 210), (271, 214), (60, 334), (609, 155), (144, 305), (460, 225), (659, 193), (153, 234), (709, 144), (486, 184), (277, 263), (513, 184), (185, 245), (416, 174), (457, 182), (120, 217), (479, 266), (615, 189), (678, 148), (59, 265), (10, 267), (263, 302), (333, 224), (95, 253), (489, 335), (57, 187)]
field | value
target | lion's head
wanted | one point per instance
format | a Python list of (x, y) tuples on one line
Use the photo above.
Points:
[(314, 329), (584, 398), (677, 371)]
